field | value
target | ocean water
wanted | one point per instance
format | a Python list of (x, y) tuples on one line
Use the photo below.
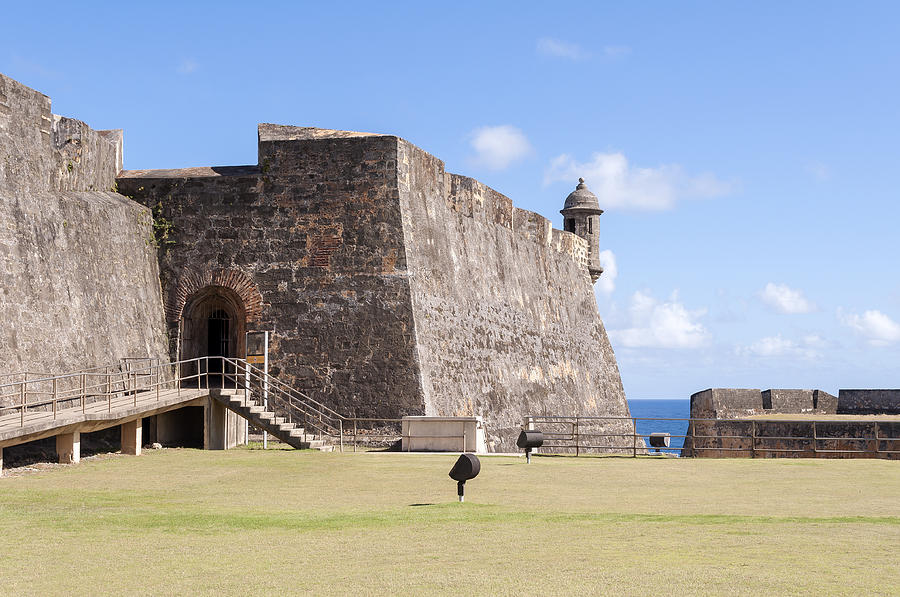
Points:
[(662, 409)]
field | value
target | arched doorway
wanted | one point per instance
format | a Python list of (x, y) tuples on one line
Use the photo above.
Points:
[(213, 323)]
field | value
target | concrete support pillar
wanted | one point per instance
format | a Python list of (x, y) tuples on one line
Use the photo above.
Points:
[(213, 426), (68, 447), (1, 462), (132, 432), (222, 428)]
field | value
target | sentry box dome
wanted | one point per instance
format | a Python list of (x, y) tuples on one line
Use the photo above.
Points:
[(529, 439), (467, 467)]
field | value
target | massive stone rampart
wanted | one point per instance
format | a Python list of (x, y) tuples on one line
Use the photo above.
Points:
[(391, 287), (79, 282), (316, 230), (505, 315)]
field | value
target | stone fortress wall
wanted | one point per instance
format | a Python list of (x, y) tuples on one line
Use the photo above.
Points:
[(392, 287), (79, 280), (314, 234), (505, 315), (726, 421)]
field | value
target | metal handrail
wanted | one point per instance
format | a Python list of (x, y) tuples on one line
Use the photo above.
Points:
[(311, 412), (112, 382), (135, 375), (577, 438)]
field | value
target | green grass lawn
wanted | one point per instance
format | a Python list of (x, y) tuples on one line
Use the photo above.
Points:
[(288, 522)]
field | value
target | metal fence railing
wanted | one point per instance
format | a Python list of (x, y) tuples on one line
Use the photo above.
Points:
[(137, 378), (721, 437)]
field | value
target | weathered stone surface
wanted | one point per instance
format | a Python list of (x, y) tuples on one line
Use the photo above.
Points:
[(725, 403), (392, 287), (317, 229), (868, 402), (824, 402), (727, 428), (506, 319), (791, 439), (790, 401), (78, 273), (41, 152)]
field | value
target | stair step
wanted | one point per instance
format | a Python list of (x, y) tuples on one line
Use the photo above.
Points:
[(278, 426)]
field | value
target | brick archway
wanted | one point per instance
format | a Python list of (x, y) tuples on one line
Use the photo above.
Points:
[(234, 280)]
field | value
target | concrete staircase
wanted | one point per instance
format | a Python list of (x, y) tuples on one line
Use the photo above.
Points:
[(266, 420)]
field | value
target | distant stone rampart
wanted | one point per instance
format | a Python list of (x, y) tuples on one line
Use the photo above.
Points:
[(734, 423), (868, 402)]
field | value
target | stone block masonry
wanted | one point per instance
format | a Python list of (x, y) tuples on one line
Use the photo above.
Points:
[(735, 423), (316, 231), (505, 315), (391, 287), (868, 402), (79, 280), (798, 401)]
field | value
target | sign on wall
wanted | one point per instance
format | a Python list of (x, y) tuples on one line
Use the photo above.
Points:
[(257, 347)]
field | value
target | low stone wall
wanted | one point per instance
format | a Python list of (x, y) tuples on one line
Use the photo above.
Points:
[(789, 400), (753, 438), (868, 402), (727, 423)]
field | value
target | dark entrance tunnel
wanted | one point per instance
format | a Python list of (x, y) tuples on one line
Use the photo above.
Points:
[(218, 338), (213, 324)]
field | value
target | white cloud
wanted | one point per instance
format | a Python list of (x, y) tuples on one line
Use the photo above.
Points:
[(661, 324), (621, 185), (785, 299), (187, 67), (607, 281), (559, 49), (616, 51), (496, 147), (772, 346), (877, 328), (779, 347)]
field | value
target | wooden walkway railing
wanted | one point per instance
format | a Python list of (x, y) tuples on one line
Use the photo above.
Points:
[(29, 399)]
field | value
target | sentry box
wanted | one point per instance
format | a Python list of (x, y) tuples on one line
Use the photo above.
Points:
[(529, 439), (467, 467)]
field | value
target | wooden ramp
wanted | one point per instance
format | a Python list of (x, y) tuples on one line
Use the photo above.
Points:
[(97, 412), (37, 406)]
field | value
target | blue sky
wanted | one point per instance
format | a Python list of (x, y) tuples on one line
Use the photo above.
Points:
[(746, 154)]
